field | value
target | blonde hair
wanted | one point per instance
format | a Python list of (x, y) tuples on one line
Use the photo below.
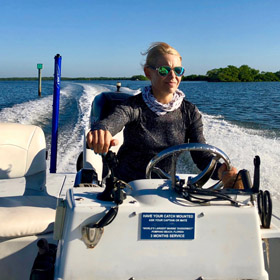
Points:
[(158, 49)]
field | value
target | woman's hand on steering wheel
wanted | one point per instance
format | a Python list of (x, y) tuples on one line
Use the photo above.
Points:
[(229, 177)]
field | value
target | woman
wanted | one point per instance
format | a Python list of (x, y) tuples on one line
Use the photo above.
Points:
[(154, 120)]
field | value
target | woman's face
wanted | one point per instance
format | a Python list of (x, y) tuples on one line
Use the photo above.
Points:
[(163, 86)]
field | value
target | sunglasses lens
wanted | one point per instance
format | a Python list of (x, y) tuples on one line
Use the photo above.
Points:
[(179, 71), (164, 70)]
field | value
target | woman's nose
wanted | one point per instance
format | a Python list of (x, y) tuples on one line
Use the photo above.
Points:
[(172, 73)]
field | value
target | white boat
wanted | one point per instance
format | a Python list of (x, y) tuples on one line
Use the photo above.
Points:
[(90, 225)]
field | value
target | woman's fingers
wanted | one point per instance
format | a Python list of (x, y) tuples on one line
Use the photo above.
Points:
[(90, 140), (114, 142), (107, 137), (100, 141), (229, 177)]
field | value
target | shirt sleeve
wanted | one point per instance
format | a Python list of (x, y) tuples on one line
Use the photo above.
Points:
[(122, 115)]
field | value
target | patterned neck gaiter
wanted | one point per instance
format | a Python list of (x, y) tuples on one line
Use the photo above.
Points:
[(159, 108)]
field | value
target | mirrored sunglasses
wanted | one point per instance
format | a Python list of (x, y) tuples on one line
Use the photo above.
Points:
[(164, 70)]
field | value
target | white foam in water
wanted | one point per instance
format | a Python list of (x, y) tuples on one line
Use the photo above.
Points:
[(25, 113), (131, 91), (32, 112), (71, 142), (242, 145)]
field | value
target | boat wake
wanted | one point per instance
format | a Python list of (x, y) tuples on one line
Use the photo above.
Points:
[(242, 145)]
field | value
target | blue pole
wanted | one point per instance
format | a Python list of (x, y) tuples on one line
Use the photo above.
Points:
[(56, 95)]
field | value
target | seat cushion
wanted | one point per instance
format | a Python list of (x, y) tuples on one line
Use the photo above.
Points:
[(26, 215), (22, 150)]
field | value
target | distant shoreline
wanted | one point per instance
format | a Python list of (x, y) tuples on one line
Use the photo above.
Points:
[(62, 78), (228, 74), (198, 78)]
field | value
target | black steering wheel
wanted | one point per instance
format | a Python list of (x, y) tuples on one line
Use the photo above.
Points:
[(200, 179)]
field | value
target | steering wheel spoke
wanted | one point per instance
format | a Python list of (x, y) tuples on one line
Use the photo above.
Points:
[(204, 176), (199, 180)]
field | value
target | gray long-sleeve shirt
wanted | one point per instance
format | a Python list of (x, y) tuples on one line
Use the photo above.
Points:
[(146, 134)]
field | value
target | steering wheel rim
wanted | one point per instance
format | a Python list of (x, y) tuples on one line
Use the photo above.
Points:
[(202, 177)]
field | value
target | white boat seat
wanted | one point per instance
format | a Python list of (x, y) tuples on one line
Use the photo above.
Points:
[(26, 215), (22, 150), (23, 154)]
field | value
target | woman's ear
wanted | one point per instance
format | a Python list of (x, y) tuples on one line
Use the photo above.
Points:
[(147, 72)]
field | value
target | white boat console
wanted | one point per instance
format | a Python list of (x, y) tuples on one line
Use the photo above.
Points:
[(155, 234)]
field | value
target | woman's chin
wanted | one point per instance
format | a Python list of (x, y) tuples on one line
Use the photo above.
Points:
[(171, 88)]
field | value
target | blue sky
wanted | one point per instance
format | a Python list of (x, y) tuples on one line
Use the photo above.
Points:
[(106, 38)]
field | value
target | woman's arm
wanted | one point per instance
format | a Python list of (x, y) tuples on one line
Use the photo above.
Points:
[(100, 138)]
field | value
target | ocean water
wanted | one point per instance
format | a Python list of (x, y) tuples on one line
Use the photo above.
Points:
[(242, 119)]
